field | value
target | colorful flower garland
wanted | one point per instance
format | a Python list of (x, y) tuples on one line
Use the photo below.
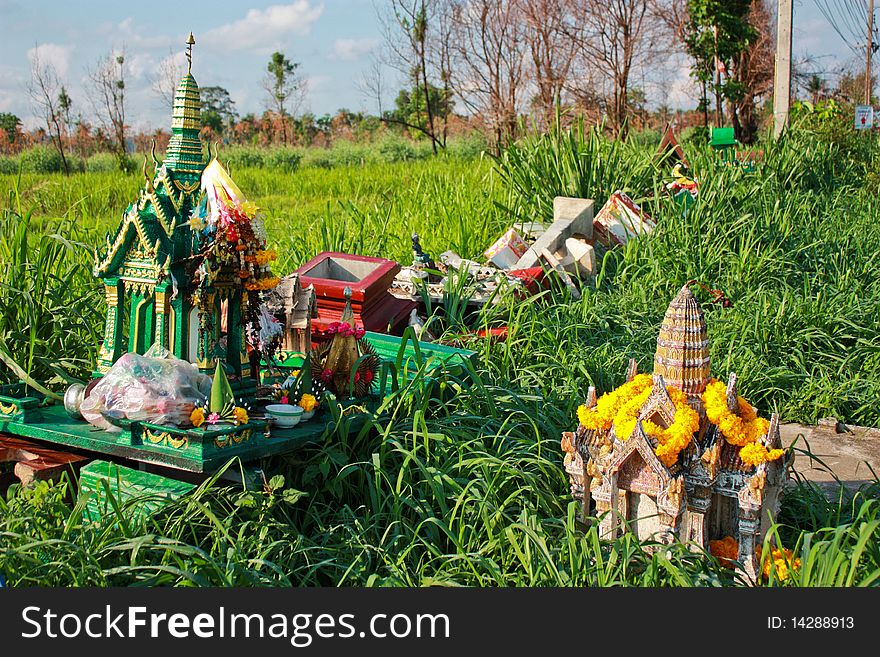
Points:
[(621, 407), (345, 330), (741, 430)]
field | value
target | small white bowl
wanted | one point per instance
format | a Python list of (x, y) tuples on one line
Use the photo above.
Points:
[(307, 415), (284, 415)]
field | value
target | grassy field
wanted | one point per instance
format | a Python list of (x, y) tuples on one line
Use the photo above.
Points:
[(472, 492)]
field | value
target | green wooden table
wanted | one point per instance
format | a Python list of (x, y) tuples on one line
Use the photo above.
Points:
[(208, 448)]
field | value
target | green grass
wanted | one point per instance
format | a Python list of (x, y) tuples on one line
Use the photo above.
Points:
[(472, 492)]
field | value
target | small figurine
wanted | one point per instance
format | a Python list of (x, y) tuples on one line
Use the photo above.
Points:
[(421, 260)]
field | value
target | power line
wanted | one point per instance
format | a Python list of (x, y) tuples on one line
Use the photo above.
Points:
[(848, 18)]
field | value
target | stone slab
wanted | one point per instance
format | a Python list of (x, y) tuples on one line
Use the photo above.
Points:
[(849, 453)]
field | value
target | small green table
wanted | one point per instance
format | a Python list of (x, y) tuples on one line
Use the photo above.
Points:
[(208, 448)]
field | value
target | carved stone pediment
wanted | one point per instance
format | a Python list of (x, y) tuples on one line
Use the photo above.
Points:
[(659, 407), (751, 496), (672, 499), (637, 466)]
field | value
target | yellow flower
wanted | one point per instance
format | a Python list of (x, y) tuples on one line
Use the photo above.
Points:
[(601, 417), (240, 415), (756, 454), (197, 417), (621, 407), (196, 223), (741, 430), (781, 561), (249, 208), (726, 549), (308, 402)]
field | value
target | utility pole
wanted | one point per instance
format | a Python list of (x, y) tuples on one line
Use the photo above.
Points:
[(868, 52), (782, 82)]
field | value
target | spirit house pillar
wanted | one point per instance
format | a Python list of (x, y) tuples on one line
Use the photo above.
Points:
[(111, 347)]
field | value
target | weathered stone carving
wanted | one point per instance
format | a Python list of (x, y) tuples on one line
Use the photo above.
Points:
[(709, 492)]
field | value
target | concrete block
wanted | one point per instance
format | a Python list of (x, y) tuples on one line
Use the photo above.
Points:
[(575, 210), (569, 224), (583, 256)]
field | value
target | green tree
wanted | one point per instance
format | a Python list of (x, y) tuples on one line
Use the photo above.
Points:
[(65, 103), (816, 87), (284, 87), (716, 32), (410, 108), (10, 124), (218, 109)]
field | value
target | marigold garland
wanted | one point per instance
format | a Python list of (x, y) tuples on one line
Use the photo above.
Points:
[(621, 408), (601, 417), (781, 561), (741, 430)]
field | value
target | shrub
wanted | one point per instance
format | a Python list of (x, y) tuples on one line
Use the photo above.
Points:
[(467, 147), (397, 150), (8, 164), (102, 163), (241, 157), (317, 157), (283, 158), (41, 159)]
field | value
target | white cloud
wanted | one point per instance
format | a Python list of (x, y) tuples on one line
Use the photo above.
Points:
[(349, 50), (263, 29), (52, 54)]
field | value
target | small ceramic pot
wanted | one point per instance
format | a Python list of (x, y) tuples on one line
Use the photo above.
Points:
[(307, 415), (284, 415)]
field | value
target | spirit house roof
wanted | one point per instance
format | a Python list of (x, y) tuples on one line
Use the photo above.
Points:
[(184, 154), (154, 231)]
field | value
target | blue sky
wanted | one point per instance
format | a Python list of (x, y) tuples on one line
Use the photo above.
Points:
[(332, 39)]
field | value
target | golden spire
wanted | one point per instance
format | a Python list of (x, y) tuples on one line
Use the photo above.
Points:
[(682, 356), (190, 42)]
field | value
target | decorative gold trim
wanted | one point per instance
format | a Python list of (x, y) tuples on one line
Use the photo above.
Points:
[(166, 438), (233, 438), (9, 409)]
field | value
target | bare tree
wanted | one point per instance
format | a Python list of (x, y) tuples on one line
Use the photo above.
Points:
[(613, 37), (372, 82), (45, 90), (108, 99), (166, 78), (490, 54), (416, 36), (552, 53)]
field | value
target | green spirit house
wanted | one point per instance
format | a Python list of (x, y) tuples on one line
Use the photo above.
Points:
[(187, 270), (150, 265)]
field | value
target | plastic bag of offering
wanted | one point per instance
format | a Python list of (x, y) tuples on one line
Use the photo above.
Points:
[(156, 387)]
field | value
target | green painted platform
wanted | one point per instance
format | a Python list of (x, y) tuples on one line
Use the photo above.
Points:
[(208, 448), (151, 491)]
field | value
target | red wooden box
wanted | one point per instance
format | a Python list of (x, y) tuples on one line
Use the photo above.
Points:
[(369, 279)]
